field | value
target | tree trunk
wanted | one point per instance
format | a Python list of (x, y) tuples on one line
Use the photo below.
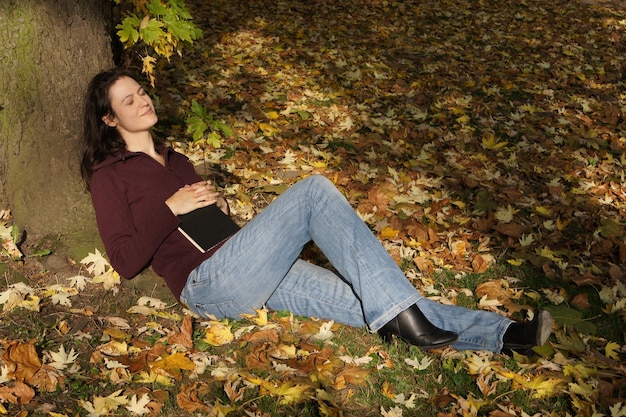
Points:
[(50, 49)]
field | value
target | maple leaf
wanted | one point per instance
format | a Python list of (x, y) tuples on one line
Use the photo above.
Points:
[(392, 412), (478, 362), (102, 406), (79, 282), (4, 374), (325, 332), (95, 262), (506, 214), (471, 405), (610, 350), (489, 141), (418, 364), (61, 359), (139, 406), (288, 391), (407, 402), (16, 296), (154, 378), (542, 386), (174, 363), (218, 334), (618, 410), (109, 280), (260, 318)]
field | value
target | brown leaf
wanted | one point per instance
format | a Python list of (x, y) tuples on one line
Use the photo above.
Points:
[(184, 337), (481, 263), (188, 397), (511, 229), (424, 265), (261, 336), (234, 391), (22, 359), (19, 393), (616, 273), (47, 379), (587, 279), (494, 290), (581, 301), (351, 376), (259, 357)]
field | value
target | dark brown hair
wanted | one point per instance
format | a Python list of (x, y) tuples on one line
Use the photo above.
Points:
[(98, 139)]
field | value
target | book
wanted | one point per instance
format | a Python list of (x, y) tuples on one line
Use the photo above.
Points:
[(207, 227)]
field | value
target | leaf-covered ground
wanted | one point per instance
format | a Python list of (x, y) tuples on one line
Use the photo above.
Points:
[(484, 142)]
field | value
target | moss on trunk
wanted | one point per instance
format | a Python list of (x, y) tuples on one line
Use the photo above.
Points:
[(49, 52)]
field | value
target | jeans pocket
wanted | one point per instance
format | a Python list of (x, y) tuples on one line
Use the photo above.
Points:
[(224, 309)]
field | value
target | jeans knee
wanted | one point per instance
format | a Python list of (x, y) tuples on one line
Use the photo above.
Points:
[(319, 181)]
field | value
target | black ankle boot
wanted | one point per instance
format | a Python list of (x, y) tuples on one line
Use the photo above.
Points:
[(414, 328), (522, 337)]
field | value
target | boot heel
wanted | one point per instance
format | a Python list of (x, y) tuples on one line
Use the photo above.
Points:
[(386, 336)]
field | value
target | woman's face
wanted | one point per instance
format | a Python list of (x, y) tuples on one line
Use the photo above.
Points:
[(133, 111)]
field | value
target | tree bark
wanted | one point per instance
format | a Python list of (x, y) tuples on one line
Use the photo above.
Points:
[(50, 49)]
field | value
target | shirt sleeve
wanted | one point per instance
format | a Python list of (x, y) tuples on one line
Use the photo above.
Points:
[(130, 245)]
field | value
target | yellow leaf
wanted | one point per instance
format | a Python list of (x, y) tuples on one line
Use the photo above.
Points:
[(117, 333), (543, 211), (272, 115), (289, 391), (561, 225), (173, 364), (610, 350), (542, 385), (108, 280), (581, 388), (547, 253), (463, 119), (478, 363), (578, 370), (218, 334), (153, 377), (267, 129), (389, 233), (491, 142), (260, 318), (167, 315)]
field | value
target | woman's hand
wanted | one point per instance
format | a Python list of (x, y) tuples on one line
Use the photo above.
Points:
[(195, 196)]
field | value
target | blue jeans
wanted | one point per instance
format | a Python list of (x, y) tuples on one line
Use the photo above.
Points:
[(260, 265)]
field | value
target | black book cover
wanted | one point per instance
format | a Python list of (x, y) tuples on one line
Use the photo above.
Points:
[(207, 226)]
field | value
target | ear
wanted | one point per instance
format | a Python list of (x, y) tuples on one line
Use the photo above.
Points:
[(109, 120)]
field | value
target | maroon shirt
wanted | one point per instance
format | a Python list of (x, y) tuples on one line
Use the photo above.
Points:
[(137, 228)]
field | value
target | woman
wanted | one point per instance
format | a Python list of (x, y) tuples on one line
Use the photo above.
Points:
[(141, 190)]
